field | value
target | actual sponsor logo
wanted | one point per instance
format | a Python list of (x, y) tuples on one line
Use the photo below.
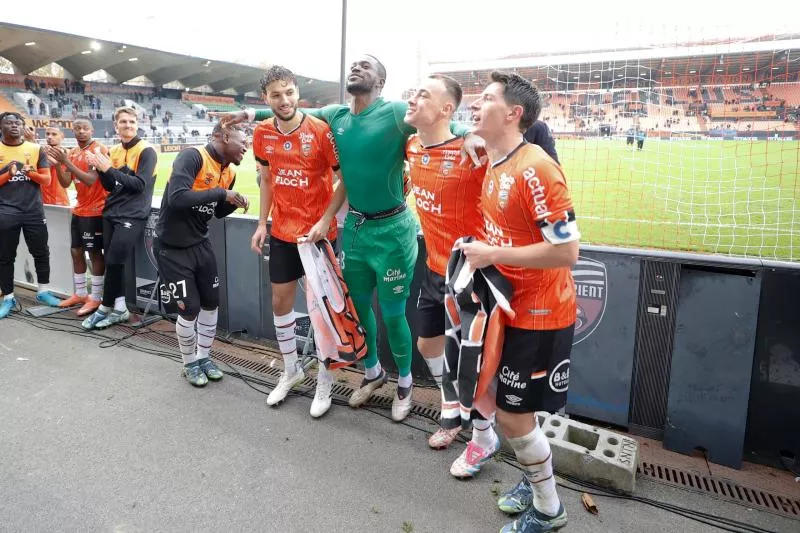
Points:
[(538, 191), (559, 377), (591, 288)]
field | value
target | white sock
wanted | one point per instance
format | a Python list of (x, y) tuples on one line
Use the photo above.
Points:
[(533, 453), (206, 331), (436, 366), (44, 287), (374, 372), (404, 381), (187, 339), (97, 287), (483, 435), (284, 331), (104, 309), (8, 296), (79, 280), (323, 374), (119, 304)]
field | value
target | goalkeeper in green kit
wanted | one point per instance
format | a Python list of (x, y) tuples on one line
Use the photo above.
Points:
[(379, 242)]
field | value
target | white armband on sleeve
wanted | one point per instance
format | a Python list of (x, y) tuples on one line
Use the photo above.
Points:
[(562, 230)]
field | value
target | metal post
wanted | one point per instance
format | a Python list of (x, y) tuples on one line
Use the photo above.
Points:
[(342, 79)]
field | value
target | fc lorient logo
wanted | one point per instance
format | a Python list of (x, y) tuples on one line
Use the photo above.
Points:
[(591, 287)]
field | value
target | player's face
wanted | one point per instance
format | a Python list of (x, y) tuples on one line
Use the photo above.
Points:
[(235, 146), (490, 112), (11, 128), (363, 76), (126, 126), (53, 136), (282, 97), (83, 130), (429, 104)]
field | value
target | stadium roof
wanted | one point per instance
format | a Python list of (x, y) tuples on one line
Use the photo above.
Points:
[(80, 56), (706, 59)]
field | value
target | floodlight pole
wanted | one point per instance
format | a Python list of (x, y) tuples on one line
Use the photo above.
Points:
[(344, 46)]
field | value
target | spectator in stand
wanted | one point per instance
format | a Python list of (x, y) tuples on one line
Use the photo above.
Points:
[(50, 93), (42, 108), (30, 106)]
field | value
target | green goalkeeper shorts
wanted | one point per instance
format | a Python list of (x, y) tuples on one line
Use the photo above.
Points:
[(379, 253)]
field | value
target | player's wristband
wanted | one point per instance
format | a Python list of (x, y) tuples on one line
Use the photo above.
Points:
[(251, 114)]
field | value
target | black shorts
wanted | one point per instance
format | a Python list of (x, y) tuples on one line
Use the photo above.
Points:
[(87, 233), (533, 374), (189, 278), (430, 305), (120, 236), (284, 261)]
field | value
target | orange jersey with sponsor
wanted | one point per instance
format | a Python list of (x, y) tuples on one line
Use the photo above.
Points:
[(54, 194), (91, 198), (525, 201), (447, 195), (301, 164)]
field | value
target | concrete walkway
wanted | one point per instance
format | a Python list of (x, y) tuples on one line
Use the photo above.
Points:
[(113, 439)]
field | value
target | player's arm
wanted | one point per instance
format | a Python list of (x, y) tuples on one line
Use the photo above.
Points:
[(184, 170), (557, 225), (231, 118), (320, 229), (42, 173), (265, 199), (110, 176)]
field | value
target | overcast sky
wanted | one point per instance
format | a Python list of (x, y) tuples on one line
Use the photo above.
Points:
[(304, 35)]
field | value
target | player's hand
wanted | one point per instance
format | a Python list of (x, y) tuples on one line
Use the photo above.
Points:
[(55, 155), (474, 147), (479, 254), (229, 118), (29, 134), (318, 231), (237, 199), (259, 238), (99, 161)]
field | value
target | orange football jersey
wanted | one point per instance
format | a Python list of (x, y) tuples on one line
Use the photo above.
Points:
[(525, 201), (54, 193), (301, 163), (91, 198), (447, 195)]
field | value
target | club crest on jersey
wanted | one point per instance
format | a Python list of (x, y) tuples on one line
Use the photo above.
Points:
[(209, 178), (287, 145), (426, 158), (591, 284), (306, 149)]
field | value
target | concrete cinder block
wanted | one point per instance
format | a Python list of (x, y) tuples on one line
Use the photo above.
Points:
[(590, 453)]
